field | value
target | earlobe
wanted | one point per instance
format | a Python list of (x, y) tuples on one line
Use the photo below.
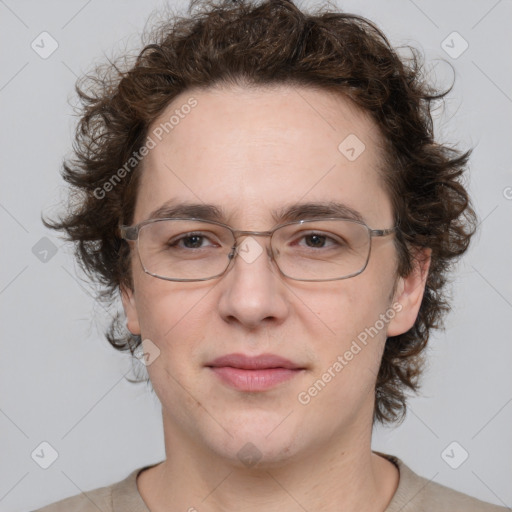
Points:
[(409, 294), (130, 310)]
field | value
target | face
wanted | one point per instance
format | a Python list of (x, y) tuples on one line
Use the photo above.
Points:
[(252, 152)]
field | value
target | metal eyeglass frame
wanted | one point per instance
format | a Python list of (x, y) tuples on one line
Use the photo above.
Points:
[(131, 234)]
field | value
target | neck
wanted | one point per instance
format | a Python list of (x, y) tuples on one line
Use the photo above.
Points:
[(346, 476)]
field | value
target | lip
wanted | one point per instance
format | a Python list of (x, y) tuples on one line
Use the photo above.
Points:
[(254, 373)]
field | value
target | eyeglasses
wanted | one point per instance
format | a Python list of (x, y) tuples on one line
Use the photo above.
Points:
[(190, 249)]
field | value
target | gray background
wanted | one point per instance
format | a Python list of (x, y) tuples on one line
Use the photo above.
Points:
[(61, 382)]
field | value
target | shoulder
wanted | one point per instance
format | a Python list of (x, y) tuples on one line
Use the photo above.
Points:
[(122, 496), (417, 494), (88, 501)]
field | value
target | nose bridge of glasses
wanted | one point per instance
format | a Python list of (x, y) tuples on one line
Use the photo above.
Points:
[(240, 248), (239, 233)]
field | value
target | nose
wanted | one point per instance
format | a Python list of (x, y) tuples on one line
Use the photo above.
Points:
[(252, 292)]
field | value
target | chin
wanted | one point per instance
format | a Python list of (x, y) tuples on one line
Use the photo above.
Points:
[(255, 443)]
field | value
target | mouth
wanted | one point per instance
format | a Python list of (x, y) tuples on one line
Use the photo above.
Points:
[(254, 373)]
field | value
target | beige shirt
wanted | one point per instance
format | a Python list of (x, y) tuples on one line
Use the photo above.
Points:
[(414, 494)]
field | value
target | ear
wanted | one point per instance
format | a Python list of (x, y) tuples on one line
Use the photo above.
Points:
[(130, 310), (409, 293)]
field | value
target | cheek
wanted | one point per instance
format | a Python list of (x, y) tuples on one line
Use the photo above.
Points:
[(177, 318), (347, 335), (341, 310)]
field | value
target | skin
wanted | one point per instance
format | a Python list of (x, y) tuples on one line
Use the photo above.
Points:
[(250, 151)]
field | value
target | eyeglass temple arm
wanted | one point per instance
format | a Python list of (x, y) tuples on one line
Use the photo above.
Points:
[(382, 232), (129, 232)]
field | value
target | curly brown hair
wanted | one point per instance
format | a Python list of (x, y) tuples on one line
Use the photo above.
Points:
[(260, 43)]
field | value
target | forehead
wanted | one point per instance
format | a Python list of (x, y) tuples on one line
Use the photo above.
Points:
[(252, 152)]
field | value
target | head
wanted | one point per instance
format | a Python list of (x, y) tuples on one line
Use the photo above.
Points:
[(247, 107)]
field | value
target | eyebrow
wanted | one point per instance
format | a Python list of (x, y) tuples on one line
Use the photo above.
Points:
[(288, 213)]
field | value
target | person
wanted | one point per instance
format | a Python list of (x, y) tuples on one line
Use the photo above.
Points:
[(263, 189)]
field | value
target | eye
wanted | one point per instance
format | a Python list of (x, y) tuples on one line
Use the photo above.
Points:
[(190, 241), (317, 240)]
